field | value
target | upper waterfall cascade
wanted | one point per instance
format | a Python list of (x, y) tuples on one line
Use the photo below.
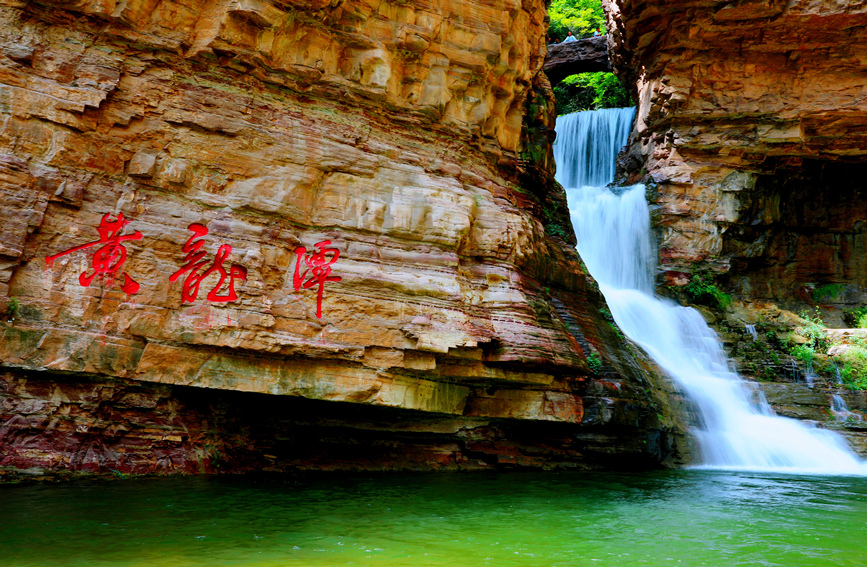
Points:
[(738, 429), (587, 143)]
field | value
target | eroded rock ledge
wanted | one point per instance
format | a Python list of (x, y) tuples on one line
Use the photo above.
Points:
[(333, 204)]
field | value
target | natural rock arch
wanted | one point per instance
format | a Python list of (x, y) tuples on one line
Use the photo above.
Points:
[(582, 56)]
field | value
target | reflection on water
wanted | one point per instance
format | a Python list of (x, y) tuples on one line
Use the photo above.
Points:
[(672, 517)]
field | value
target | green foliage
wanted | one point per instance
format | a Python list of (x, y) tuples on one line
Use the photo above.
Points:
[(813, 330), (830, 291), (854, 370), (12, 309), (856, 318), (586, 91), (590, 91), (556, 231), (533, 154), (581, 17), (609, 318), (555, 215), (703, 291), (804, 353), (617, 331), (594, 361)]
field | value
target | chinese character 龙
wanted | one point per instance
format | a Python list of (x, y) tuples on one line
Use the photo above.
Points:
[(194, 262)]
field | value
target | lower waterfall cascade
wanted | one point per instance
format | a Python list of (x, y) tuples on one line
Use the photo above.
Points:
[(737, 429)]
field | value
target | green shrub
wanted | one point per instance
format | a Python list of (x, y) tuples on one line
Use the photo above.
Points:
[(594, 361), (830, 291), (856, 318), (804, 353), (813, 330), (590, 91), (703, 291), (12, 309), (854, 370)]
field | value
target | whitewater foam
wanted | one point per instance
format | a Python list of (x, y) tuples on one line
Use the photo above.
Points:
[(738, 429)]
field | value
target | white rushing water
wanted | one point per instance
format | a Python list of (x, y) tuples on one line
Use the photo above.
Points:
[(738, 428), (841, 410), (580, 136)]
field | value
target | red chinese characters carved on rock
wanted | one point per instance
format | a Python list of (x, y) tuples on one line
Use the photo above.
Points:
[(109, 258), (318, 267), (194, 263)]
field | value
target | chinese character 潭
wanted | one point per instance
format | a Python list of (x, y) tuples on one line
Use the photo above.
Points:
[(111, 255), (193, 262), (319, 268)]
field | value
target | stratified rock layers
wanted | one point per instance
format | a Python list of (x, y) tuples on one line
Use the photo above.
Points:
[(750, 121), (310, 202)]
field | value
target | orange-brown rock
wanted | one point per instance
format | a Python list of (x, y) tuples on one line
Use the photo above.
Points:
[(163, 164), (750, 123)]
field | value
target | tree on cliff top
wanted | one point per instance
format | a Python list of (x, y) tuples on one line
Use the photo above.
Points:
[(581, 17)]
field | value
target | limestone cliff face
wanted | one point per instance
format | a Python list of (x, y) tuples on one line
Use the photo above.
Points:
[(319, 201), (750, 123)]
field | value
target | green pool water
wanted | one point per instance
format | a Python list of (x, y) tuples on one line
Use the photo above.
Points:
[(542, 519)]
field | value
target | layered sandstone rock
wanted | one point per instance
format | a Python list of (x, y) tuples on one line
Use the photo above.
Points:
[(337, 202), (750, 124)]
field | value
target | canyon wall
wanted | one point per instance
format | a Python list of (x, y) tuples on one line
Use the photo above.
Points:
[(270, 235), (750, 128), (750, 134)]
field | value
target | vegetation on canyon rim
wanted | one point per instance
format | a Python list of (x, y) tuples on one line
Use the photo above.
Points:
[(581, 17), (585, 91)]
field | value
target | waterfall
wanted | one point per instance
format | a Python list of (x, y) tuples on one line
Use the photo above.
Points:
[(841, 410), (838, 376), (810, 375), (737, 429), (581, 135)]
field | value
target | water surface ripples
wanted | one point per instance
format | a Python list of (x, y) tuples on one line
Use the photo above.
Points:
[(688, 518)]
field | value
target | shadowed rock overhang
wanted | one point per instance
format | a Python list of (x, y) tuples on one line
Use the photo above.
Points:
[(582, 56)]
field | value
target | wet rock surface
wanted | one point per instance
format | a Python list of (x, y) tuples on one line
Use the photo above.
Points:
[(792, 388)]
